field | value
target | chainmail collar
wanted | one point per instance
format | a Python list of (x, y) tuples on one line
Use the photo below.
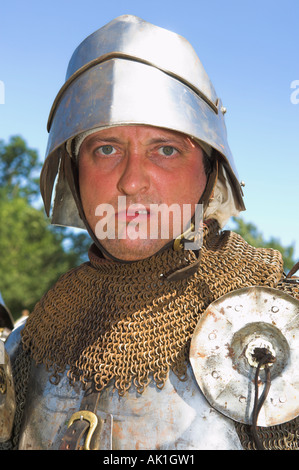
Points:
[(106, 321)]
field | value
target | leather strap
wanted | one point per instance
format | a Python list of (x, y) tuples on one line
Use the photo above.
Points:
[(75, 433)]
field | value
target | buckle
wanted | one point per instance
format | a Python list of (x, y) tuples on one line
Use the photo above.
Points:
[(91, 418), (187, 235)]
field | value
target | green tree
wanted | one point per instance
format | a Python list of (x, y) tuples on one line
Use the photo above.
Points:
[(33, 254), (254, 237), (19, 169)]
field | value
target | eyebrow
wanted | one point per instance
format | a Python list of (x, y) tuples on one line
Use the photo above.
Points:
[(151, 141), (168, 140), (95, 139)]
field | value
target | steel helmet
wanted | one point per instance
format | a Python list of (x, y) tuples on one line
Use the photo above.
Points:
[(133, 72)]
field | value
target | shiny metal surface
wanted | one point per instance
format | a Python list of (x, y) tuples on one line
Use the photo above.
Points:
[(221, 354), (6, 319), (93, 421), (14, 339), (65, 211), (132, 72), (177, 417), (131, 37), (119, 92)]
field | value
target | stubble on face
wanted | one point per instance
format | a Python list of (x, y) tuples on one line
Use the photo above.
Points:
[(148, 167)]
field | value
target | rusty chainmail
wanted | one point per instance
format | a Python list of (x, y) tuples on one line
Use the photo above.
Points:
[(108, 320), (127, 322)]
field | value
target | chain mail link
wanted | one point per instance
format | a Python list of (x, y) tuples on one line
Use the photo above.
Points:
[(20, 371), (282, 437), (125, 322)]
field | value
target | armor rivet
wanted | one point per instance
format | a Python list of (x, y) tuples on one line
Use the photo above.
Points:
[(275, 309), (242, 183), (238, 308), (215, 374), (212, 335), (258, 343), (223, 109), (282, 399), (242, 399)]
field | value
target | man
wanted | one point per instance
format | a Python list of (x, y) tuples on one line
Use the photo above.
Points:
[(138, 140)]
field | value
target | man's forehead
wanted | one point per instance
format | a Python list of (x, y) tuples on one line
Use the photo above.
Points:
[(148, 133)]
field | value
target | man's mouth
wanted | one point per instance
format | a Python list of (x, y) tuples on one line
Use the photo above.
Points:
[(133, 212)]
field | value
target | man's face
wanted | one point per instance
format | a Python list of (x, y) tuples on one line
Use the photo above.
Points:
[(127, 175)]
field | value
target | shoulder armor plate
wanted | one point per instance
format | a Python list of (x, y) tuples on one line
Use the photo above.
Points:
[(222, 356)]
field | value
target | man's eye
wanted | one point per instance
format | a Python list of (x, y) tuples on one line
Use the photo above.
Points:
[(167, 150), (106, 150)]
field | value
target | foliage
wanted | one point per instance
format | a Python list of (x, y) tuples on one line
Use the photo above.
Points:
[(32, 257), (33, 253), (251, 234), (19, 169)]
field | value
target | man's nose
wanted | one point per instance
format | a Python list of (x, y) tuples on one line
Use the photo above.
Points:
[(134, 178)]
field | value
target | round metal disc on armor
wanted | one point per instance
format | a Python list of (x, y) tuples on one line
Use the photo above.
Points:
[(223, 360)]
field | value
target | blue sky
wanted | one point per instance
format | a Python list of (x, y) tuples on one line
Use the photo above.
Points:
[(248, 48)]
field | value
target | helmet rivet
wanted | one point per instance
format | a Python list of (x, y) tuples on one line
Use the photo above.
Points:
[(223, 109)]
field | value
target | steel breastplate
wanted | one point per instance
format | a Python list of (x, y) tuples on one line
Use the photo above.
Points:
[(176, 417), (196, 413)]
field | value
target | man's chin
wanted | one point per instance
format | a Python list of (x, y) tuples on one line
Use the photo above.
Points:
[(132, 250)]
